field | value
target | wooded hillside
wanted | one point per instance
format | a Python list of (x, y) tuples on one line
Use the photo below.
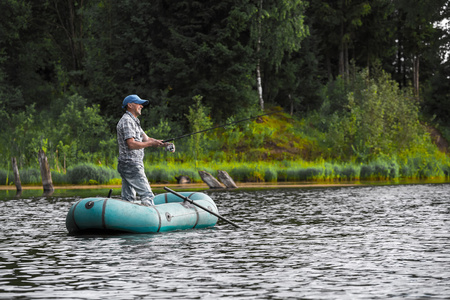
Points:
[(362, 76)]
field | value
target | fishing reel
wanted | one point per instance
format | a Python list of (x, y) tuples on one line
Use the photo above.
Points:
[(170, 147)]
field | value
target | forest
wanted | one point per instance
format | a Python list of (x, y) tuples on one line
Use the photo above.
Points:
[(355, 89)]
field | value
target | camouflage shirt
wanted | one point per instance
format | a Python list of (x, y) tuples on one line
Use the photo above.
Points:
[(129, 127)]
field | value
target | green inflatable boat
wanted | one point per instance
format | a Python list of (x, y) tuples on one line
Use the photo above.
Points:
[(169, 213)]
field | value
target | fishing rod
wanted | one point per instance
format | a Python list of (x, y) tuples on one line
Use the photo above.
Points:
[(219, 126)]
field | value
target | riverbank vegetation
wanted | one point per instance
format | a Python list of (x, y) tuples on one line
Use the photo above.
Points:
[(342, 96)]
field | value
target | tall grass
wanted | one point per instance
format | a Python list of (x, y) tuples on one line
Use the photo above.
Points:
[(412, 166), (380, 170), (90, 174), (30, 176), (4, 177)]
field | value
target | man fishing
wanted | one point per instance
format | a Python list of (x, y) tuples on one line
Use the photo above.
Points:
[(132, 141)]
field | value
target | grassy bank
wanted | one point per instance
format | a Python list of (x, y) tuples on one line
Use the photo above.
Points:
[(414, 167)]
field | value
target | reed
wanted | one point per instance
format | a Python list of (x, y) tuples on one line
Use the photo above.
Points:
[(30, 176), (90, 174), (4, 178), (410, 166), (380, 170), (59, 177), (423, 165)]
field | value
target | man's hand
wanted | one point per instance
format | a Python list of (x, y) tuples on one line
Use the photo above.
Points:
[(169, 147)]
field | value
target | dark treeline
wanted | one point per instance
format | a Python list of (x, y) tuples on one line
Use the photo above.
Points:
[(66, 65)]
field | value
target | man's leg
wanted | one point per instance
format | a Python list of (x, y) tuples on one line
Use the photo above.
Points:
[(128, 193), (137, 182)]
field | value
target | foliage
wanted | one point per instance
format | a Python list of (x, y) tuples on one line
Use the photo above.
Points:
[(30, 176), (198, 120), (4, 177), (65, 67), (90, 174), (374, 118)]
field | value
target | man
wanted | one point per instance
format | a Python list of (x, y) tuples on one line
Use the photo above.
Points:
[(132, 141)]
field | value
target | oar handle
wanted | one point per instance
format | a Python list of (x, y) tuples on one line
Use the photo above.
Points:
[(198, 205)]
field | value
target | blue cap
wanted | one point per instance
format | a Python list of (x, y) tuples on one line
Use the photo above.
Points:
[(133, 99)]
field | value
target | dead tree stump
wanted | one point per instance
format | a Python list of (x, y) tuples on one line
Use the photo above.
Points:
[(226, 179), (46, 175), (212, 182), (17, 181)]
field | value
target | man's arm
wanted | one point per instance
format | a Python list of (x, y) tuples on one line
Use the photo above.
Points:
[(146, 142)]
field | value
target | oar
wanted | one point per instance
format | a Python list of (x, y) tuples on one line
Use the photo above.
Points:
[(198, 205)]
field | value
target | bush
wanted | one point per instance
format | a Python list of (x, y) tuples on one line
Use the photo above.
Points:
[(3, 177), (159, 174), (422, 166), (380, 170), (282, 175), (30, 176), (90, 173), (59, 178), (242, 173), (303, 174), (349, 172), (270, 175)]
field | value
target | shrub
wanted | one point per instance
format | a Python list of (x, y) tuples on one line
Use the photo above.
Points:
[(303, 174), (422, 166), (159, 174), (349, 172), (270, 174), (59, 178), (380, 170), (282, 175), (30, 176), (3, 177), (85, 173), (242, 173)]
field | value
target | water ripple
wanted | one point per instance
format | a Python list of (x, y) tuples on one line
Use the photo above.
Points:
[(374, 242)]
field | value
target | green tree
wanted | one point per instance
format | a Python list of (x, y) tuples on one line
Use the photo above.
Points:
[(277, 30), (83, 130), (416, 27), (15, 16), (377, 119), (198, 120), (170, 50)]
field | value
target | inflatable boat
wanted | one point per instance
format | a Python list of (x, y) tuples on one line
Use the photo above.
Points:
[(169, 213)]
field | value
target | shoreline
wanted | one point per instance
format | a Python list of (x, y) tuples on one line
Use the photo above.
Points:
[(184, 186), (241, 185)]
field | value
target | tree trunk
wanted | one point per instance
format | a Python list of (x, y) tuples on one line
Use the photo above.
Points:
[(416, 61), (292, 105), (328, 63), (212, 182), (341, 51), (346, 60), (17, 181), (226, 179), (72, 23), (259, 84), (258, 66), (46, 175)]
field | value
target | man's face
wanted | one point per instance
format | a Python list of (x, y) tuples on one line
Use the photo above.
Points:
[(135, 109)]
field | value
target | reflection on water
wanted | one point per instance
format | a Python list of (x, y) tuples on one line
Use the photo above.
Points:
[(372, 242)]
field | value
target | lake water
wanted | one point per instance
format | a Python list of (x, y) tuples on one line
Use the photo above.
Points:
[(368, 242)]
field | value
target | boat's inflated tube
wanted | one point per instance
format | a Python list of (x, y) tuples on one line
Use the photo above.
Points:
[(169, 213)]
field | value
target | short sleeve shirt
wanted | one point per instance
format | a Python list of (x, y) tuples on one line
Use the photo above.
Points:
[(129, 127)]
